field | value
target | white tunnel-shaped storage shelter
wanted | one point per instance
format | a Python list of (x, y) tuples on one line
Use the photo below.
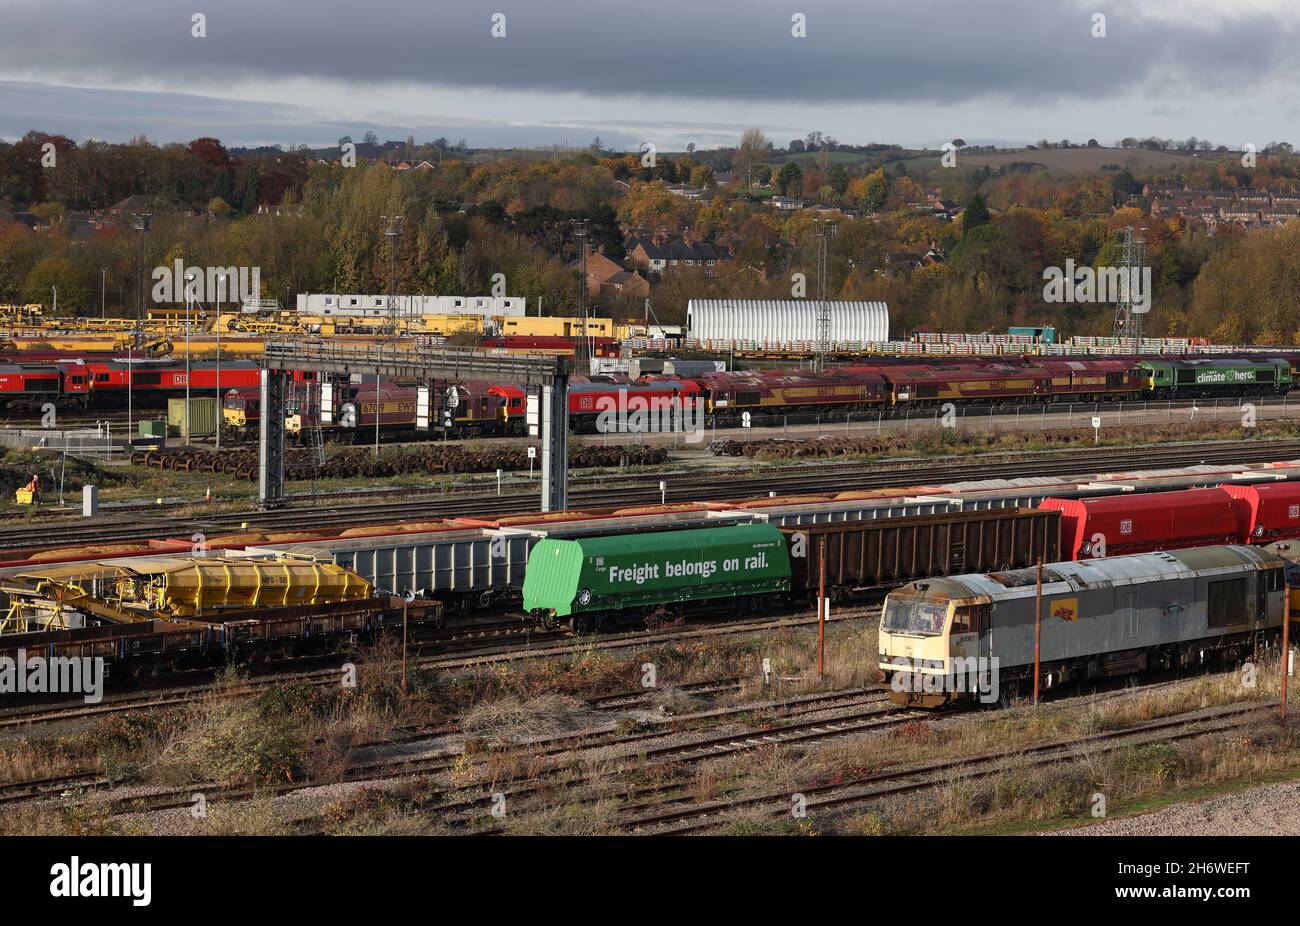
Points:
[(784, 320)]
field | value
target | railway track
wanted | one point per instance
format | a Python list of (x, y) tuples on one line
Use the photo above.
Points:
[(868, 712), (395, 767), (633, 490), (927, 776), (475, 645), (20, 791), (659, 807), (644, 805)]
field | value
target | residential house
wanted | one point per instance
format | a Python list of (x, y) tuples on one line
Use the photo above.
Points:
[(136, 203), (140, 203), (902, 262), (82, 226), (686, 191), (1279, 213), (606, 276), (659, 253), (1240, 213)]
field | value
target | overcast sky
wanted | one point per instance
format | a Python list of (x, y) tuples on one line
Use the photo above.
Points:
[(668, 71)]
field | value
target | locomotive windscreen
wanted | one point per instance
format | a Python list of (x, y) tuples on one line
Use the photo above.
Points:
[(921, 618)]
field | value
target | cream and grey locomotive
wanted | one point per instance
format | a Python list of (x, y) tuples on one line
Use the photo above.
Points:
[(972, 636)]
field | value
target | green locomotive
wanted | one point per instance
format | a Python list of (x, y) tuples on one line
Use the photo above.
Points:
[(1209, 377)]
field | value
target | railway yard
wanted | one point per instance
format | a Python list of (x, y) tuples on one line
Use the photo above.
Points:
[(855, 593), (255, 678), (448, 440)]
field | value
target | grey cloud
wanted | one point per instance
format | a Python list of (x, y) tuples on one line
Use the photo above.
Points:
[(117, 115), (941, 51)]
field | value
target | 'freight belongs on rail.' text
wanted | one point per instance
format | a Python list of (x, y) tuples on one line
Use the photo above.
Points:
[(640, 573)]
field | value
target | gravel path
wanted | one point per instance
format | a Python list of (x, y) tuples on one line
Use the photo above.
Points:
[(1267, 810)]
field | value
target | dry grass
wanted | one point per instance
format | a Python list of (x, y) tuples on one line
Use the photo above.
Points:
[(968, 441), (587, 801), (508, 718), (256, 817), (74, 820)]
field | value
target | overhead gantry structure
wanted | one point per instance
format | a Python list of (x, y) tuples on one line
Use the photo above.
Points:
[(544, 376)]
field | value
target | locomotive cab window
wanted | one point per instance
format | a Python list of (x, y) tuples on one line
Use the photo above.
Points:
[(915, 618)]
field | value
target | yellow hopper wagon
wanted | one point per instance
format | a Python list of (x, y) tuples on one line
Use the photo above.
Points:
[(187, 587)]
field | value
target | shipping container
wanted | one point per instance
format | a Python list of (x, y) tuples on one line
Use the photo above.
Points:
[(203, 417), (881, 553)]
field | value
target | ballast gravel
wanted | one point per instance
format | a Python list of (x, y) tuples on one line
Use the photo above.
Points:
[(1266, 810)]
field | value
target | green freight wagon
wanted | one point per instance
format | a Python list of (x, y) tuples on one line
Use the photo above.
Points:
[(1229, 376), (597, 580)]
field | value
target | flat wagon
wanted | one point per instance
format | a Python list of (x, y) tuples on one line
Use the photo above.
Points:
[(148, 648)]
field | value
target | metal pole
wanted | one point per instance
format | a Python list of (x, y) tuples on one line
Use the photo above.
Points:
[(377, 378), (188, 302), (821, 608), (220, 400), (1038, 626), (1286, 642), (103, 292), (130, 382), (405, 605)]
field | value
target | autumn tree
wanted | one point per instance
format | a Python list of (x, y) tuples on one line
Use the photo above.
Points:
[(788, 176), (752, 152), (974, 215)]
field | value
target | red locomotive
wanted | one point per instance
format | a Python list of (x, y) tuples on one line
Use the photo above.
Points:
[(32, 385), (657, 405), (767, 395)]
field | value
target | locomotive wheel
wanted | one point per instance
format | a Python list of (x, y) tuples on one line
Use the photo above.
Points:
[(1008, 692)]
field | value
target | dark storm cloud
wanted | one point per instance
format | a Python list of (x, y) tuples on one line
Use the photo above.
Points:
[(936, 51)]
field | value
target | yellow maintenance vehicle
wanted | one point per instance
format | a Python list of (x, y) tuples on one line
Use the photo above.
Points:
[(140, 588)]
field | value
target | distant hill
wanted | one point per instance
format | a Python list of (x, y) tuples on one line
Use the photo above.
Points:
[(1089, 160)]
